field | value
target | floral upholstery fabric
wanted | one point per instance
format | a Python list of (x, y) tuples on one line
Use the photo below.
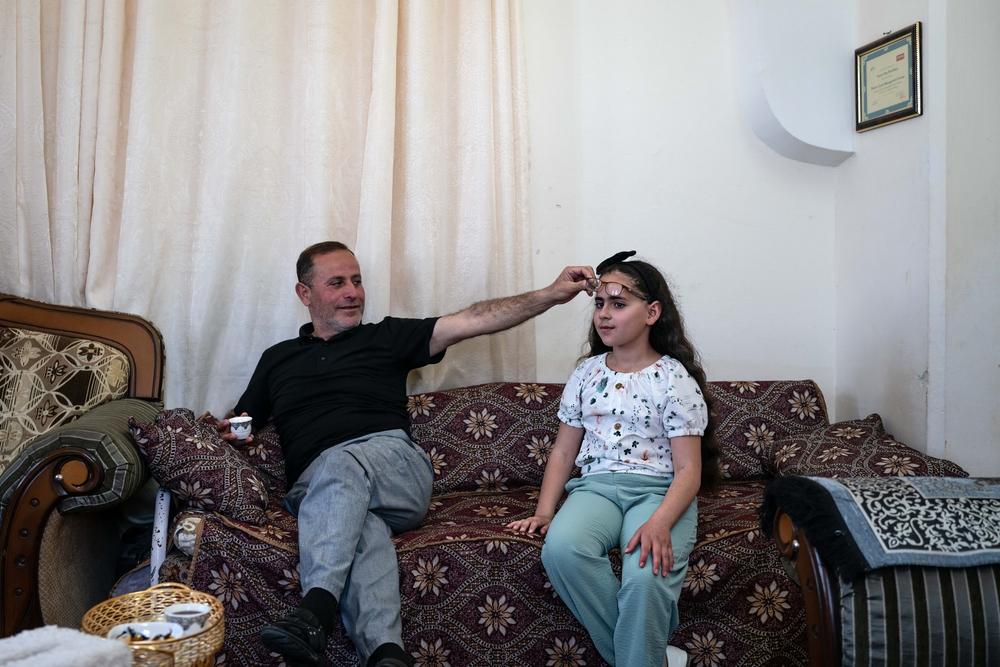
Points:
[(263, 453), (476, 594), (856, 448), (203, 471), (47, 380), (738, 606), (489, 437), (749, 416)]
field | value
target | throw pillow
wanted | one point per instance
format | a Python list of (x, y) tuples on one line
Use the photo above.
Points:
[(264, 454), (190, 458), (856, 448), (750, 416), (488, 437)]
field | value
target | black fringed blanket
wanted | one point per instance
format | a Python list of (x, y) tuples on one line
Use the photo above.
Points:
[(862, 524)]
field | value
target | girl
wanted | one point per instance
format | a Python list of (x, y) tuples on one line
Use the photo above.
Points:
[(635, 420)]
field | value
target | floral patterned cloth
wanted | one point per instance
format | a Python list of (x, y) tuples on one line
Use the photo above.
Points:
[(750, 416), (856, 448), (629, 418), (476, 594), (203, 471)]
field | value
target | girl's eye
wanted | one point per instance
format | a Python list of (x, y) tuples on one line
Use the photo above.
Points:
[(619, 304)]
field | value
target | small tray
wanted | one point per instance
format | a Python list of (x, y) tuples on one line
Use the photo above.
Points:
[(197, 650)]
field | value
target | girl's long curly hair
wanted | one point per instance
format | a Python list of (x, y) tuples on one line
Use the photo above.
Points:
[(667, 336)]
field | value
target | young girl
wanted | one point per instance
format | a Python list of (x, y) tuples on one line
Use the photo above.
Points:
[(634, 419)]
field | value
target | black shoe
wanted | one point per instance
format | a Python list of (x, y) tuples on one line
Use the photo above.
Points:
[(390, 655), (298, 636)]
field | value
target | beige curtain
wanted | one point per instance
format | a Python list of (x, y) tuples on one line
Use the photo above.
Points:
[(172, 158)]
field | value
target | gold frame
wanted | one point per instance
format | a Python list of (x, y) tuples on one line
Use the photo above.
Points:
[(887, 76)]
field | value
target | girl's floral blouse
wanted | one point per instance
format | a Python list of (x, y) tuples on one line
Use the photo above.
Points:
[(629, 418)]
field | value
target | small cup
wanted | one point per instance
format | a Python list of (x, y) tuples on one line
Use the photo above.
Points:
[(191, 616), (240, 427)]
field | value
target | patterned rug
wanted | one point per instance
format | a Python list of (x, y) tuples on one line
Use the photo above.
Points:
[(891, 521)]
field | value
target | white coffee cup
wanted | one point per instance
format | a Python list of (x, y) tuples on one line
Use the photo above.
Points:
[(240, 427), (191, 616)]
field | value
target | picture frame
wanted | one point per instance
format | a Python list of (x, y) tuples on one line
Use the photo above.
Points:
[(887, 77)]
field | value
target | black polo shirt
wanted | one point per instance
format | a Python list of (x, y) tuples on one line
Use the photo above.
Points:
[(323, 392)]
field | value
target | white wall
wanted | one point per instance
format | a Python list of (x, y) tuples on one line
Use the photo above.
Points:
[(918, 246), (971, 397), (795, 88), (875, 277), (882, 266), (638, 142)]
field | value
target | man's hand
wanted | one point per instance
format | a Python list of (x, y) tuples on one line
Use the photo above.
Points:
[(495, 315), (223, 426), (572, 281)]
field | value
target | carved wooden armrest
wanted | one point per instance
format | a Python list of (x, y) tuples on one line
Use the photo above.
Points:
[(819, 591), (89, 464)]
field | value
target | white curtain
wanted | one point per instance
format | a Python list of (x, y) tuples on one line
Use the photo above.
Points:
[(171, 159)]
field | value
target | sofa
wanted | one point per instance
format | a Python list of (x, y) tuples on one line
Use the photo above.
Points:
[(69, 380), (474, 593)]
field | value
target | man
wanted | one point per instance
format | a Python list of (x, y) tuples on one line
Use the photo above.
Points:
[(337, 394)]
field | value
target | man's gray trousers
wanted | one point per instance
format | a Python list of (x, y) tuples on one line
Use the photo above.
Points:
[(349, 502)]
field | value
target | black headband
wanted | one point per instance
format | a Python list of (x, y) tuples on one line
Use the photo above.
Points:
[(616, 258), (620, 258)]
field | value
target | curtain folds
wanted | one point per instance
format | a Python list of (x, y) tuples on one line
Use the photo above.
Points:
[(171, 159)]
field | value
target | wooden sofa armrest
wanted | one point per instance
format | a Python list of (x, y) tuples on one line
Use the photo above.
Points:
[(61, 473), (819, 591), (69, 474), (86, 465)]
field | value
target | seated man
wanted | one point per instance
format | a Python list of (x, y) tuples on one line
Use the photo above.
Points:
[(337, 394)]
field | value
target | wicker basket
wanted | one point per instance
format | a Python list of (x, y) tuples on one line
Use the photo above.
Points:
[(197, 650)]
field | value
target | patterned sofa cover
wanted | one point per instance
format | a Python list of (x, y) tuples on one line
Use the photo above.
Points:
[(476, 594), (69, 380)]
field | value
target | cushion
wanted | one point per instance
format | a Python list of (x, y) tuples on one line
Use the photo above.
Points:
[(489, 437), (264, 454), (749, 416), (47, 380), (856, 448), (189, 457), (103, 431)]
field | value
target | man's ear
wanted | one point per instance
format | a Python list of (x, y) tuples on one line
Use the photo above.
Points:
[(302, 291), (653, 312)]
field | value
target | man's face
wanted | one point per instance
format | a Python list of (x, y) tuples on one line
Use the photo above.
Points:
[(334, 295)]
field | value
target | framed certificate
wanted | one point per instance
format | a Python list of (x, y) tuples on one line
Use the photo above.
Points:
[(887, 79)]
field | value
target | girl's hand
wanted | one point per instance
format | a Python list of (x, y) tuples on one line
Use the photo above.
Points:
[(654, 538), (531, 524)]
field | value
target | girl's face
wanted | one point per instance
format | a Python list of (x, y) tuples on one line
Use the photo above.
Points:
[(623, 320)]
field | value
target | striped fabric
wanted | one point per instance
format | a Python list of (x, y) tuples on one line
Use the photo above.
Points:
[(915, 616), (103, 431)]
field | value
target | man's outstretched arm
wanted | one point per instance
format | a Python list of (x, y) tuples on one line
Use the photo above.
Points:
[(494, 315)]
